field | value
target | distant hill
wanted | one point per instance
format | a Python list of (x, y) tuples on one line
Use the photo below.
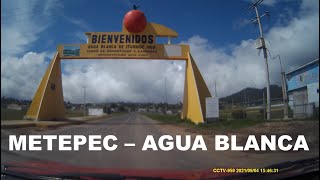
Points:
[(252, 94), (248, 94)]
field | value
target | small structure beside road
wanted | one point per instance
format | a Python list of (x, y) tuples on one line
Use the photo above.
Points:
[(14, 107), (303, 89), (95, 111)]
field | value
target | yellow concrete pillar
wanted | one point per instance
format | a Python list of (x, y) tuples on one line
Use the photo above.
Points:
[(195, 93), (48, 103)]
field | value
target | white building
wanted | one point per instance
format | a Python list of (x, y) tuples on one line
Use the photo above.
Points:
[(95, 111), (14, 107), (303, 89)]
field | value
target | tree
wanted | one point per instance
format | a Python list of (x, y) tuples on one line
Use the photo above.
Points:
[(113, 105), (122, 109)]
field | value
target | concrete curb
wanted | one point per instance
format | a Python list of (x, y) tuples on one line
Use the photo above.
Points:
[(11, 124), (43, 124)]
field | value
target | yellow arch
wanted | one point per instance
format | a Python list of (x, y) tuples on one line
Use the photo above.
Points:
[(48, 102)]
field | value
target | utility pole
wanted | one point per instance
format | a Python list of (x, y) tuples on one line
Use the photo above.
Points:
[(284, 88), (232, 105), (284, 91), (165, 91), (285, 97), (261, 45), (153, 108), (245, 98), (84, 100), (179, 103), (244, 103), (264, 106), (215, 89)]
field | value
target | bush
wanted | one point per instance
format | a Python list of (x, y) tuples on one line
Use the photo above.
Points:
[(239, 114), (107, 110)]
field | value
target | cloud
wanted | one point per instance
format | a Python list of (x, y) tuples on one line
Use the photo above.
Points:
[(78, 22), (19, 76), (297, 43), (269, 2), (240, 23), (309, 7), (81, 36), (143, 81), (123, 80), (22, 22), (231, 72)]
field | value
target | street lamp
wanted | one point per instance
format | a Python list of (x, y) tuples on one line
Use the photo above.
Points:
[(165, 94), (84, 100)]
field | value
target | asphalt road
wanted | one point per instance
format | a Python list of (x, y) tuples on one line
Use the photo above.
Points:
[(128, 128), (133, 128)]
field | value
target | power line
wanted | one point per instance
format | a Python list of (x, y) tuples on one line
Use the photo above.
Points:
[(283, 85), (261, 45)]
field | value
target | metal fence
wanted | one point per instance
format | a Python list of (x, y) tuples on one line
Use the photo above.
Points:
[(256, 109), (303, 111)]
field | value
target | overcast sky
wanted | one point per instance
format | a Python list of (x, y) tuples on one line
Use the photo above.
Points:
[(220, 34)]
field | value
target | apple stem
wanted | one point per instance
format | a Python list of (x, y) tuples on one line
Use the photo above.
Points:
[(135, 7)]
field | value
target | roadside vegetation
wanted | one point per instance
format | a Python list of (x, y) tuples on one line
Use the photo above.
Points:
[(10, 114), (218, 124), (230, 124)]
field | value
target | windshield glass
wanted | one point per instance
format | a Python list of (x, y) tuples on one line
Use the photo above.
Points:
[(164, 89)]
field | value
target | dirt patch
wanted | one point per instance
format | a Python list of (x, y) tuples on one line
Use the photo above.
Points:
[(310, 129)]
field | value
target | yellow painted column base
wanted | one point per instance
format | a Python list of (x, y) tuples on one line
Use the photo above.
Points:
[(48, 103), (195, 93)]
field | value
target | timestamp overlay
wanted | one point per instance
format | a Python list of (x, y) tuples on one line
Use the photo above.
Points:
[(245, 170)]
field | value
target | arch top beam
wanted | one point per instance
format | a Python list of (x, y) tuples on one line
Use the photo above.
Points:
[(124, 51)]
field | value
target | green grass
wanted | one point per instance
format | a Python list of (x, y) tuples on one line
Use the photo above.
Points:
[(230, 124), (252, 114), (74, 113), (170, 119), (165, 118), (10, 114), (219, 124)]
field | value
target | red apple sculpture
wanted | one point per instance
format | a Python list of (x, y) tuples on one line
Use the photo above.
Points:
[(135, 21)]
